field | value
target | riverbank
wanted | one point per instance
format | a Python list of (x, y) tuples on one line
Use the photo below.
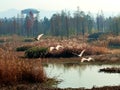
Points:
[(39, 87)]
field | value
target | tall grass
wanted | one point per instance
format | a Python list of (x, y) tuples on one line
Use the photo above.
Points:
[(114, 42), (91, 50), (108, 41), (13, 70)]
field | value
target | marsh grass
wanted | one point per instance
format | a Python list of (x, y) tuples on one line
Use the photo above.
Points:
[(108, 41), (42, 52), (114, 42), (13, 70), (72, 48), (36, 52)]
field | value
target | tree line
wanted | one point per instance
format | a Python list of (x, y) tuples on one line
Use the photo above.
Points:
[(60, 24)]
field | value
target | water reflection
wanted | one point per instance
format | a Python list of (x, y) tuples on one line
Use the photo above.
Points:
[(77, 75)]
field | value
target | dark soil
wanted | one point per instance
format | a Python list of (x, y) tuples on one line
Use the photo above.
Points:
[(39, 87), (110, 70)]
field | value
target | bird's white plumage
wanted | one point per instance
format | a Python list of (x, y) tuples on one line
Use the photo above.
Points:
[(39, 36), (52, 48), (80, 55), (58, 47), (87, 59)]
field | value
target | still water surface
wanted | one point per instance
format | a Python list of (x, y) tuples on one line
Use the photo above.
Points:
[(87, 76)]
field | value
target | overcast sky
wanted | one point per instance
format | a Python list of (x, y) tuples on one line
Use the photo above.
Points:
[(85, 5)]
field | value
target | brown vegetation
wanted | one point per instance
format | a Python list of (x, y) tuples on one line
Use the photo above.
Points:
[(72, 47), (14, 70), (108, 41)]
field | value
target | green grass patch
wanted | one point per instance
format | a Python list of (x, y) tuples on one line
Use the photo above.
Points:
[(36, 52)]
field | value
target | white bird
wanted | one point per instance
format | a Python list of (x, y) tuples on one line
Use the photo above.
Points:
[(38, 37), (87, 59), (80, 55), (58, 47), (52, 48)]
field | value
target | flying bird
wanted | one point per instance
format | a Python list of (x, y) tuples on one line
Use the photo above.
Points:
[(38, 37), (80, 55), (52, 48), (58, 47), (87, 59)]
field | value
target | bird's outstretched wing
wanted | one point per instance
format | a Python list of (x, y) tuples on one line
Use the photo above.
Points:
[(87, 59), (80, 55), (58, 47), (83, 59), (52, 48), (39, 36)]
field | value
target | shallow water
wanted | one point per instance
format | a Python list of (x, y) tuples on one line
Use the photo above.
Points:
[(87, 76)]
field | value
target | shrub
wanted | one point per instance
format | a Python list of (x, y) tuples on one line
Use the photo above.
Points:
[(13, 71), (23, 48), (36, 52), (95, 36)]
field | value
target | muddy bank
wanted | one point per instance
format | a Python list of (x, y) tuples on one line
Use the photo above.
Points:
[(105, 88), (110, 70), (39, 87), (107, 58), (103, 59)]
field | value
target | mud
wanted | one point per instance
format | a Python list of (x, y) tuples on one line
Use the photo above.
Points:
[(110, 70)]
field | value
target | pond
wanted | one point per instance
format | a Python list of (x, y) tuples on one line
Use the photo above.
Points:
[(78, 76)]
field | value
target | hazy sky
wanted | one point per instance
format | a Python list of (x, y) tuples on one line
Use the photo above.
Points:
[(85, 5)]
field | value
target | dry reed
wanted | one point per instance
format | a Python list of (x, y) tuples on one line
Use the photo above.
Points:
[(13, 70)]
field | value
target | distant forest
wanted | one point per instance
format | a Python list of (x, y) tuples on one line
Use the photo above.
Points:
[(60, 24)]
